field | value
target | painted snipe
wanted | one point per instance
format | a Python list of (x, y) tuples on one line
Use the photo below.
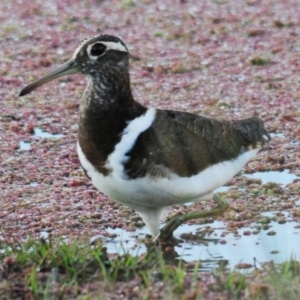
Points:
[(147, 158)]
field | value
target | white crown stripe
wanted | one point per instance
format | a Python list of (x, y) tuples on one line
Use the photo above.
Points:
[(115, 46)]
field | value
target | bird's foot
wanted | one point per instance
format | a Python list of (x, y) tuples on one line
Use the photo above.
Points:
[(166, 233)]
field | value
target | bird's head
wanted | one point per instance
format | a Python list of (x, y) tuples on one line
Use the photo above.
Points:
[(98, 58)]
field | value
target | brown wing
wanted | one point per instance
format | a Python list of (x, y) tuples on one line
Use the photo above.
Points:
[(186, 143)]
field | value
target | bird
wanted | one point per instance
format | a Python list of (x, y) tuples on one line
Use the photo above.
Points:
[(146, 158)]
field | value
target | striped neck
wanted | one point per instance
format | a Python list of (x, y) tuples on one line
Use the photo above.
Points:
[(106, 92)]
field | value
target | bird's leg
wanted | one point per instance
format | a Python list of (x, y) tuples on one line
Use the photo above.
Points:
[(166, 233)]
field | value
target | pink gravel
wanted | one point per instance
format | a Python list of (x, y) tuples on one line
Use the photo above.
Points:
[(187, 55)]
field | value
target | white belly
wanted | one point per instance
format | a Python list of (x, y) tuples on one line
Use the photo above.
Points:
[(162, 192)]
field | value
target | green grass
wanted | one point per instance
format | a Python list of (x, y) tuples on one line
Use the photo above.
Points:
[(285, 279), (259, 61), (73, 270)]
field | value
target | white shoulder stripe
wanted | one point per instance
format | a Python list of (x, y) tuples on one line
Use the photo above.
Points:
[(130, 134)]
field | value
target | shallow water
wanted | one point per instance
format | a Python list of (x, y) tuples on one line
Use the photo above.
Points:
[(243, 249), (26, 145), (277, 134), (280, 177), (279, 247), (44, 134)]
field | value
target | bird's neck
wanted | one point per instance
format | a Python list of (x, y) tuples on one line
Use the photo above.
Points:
[(105, 111), (107, 93)]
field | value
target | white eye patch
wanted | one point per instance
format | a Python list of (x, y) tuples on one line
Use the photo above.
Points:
[(117, 46)]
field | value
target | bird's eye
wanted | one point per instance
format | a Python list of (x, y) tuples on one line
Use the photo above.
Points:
[(98, 49)]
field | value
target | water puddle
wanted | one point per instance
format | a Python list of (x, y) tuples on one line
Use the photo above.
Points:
[(38, 132), (243, 249), (235, 249), (24, 145), (126, 242), (280, 177), (263, 247), (277, 134), (44, 234)]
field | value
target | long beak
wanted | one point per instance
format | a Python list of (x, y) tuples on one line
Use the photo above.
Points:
[(67, 68)]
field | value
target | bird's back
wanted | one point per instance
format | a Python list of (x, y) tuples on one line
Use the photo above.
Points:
[(187, 144)]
